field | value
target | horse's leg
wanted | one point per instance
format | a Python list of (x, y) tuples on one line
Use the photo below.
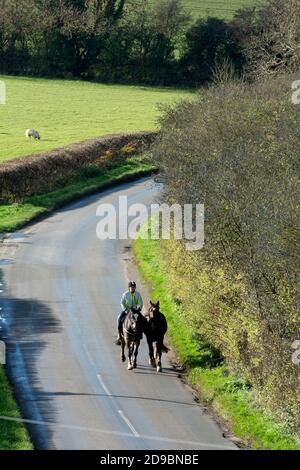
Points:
[(136, 351), (123, 358), (158, 355), (129, 367), (151, 353)]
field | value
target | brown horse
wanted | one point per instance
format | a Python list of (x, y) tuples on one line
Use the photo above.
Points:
[(133, 327), (156, 330)]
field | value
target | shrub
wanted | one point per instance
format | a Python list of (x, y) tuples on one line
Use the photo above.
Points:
[(237, 150), (27, 176)]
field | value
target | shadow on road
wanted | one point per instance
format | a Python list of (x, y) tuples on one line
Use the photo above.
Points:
[(161, 400), (23, 323)]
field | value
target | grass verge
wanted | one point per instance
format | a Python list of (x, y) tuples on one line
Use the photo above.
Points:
[(227, 394), (13, 435)]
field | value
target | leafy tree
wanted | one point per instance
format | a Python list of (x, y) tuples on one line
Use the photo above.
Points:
[(152, 35), (210, 42)]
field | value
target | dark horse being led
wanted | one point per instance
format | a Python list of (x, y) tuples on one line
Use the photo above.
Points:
[(156, 330)]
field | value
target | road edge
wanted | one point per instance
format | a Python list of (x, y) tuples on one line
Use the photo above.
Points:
[(120, 179)]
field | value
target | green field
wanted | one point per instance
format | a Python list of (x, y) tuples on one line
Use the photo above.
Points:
[(219, 8), (69, 111)]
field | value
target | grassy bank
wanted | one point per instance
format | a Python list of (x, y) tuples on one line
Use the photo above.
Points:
[(233, 400), (65, 111), (14, 216), (13, 435)]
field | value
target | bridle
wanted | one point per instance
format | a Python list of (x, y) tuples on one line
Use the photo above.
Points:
[(130, 333), (154, 311)]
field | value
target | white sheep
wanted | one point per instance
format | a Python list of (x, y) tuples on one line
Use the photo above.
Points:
[(32, 133)]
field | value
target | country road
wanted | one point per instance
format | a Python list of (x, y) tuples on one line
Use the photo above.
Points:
[(59, 302)]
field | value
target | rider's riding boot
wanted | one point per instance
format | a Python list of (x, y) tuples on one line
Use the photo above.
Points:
[(118, 340)]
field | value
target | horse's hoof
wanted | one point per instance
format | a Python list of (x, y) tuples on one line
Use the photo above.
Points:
[(158, 368), (134, 366), (123, 358), (130, 367), (153, 364)]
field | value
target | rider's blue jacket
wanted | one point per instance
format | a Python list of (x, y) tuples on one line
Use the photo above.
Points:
[(129, 300)]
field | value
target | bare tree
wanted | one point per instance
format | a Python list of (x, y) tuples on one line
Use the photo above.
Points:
[(274, 44)]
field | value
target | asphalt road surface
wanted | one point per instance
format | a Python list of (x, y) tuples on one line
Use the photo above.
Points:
[(60, 288)]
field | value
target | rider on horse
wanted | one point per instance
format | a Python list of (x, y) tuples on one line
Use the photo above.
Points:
[(131, 299)]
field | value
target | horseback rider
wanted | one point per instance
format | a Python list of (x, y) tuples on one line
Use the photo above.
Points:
[(131, 299)]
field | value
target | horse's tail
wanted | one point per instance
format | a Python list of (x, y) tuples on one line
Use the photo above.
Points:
[(165, 349)]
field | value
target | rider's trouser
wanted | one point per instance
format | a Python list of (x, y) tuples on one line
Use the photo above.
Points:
[(120, 320)]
